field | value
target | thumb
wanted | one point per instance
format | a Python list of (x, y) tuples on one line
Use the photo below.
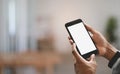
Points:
[(92, 57)]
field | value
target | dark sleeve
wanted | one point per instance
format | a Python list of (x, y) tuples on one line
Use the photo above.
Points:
[(114, 63), (116, 67)]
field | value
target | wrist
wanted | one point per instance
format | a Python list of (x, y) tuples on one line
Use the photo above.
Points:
[(110, 52)]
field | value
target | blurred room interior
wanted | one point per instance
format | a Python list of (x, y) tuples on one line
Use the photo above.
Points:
[(33, 39)]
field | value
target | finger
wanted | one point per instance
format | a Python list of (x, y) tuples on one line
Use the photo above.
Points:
[(91, 34), (77, 56), (90, 29), (76, 67), (69, 38), (75, 64), (74, 60), (92, 57), (71, 42), (88, 59)]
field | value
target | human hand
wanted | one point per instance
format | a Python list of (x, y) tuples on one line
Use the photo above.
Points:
[(104, 47), (83, 66), (99, 40)]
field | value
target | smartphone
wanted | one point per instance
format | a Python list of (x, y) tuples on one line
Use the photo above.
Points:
[(81, 37)]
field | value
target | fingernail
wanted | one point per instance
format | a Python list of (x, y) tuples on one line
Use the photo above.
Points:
[(93, 55)]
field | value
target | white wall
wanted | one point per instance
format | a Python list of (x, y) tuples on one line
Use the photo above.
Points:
[(93, 12), (3, 26)]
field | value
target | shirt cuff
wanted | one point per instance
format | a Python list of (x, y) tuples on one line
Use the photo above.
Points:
[(114, 59), (116, 63)]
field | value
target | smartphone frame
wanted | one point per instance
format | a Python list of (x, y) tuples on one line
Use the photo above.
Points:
[(87, 55)]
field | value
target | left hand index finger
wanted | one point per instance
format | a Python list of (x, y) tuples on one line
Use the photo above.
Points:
[(77, 56)]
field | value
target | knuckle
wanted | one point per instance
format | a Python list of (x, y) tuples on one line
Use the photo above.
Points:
[(73, 51)]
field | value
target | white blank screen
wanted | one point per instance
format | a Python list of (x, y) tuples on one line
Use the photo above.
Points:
[(81, 38)]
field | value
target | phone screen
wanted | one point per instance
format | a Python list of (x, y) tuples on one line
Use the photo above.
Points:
[(81, 38)]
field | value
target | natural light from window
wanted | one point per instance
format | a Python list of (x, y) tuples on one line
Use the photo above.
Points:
[(12, 17)]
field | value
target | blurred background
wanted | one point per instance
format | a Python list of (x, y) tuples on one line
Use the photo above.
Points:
[(33, 39)]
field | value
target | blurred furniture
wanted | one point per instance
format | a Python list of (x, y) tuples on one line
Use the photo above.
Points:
[(45, 44), (38, 60)]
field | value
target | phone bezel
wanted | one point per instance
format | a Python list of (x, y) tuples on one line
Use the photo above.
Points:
[(87, 55)]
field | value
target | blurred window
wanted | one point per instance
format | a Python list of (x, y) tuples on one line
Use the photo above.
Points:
[(12, 26), (12, 17)]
